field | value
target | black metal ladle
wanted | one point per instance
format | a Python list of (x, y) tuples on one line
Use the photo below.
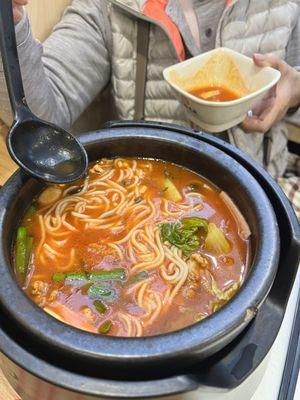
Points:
[(42, 149)]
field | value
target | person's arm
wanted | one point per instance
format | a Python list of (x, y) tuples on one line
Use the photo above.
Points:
[(5, 108), (279, 100), (63, 76)]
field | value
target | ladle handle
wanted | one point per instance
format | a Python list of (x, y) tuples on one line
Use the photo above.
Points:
[(10, 59)]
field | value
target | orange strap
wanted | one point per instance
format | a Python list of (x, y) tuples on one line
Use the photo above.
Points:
[(155, 9)]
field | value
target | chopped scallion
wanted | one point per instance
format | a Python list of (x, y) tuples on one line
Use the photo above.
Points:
[(76, 278), (21, 249), (99, 292), (100, 307), (106, 275), (29, 244), (138, 277), (105, 328), (112, 274)]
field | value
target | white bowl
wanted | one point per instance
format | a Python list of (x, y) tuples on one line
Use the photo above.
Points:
[(215, 116)]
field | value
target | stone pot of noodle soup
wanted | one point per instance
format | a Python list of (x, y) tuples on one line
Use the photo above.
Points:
[(155, 261)]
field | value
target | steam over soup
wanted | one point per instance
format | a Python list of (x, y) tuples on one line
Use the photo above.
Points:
[(141, 247)]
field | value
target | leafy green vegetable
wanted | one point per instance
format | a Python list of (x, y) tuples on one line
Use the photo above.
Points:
[(199, 317), (21, 249), (229, 293), (105, 328), (216, 241), (186, 235), (138, 277), (195, 223), (100, 307), (99, 292), (223, 295), (216, 305)]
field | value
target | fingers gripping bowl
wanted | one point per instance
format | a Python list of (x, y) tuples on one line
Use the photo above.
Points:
[(219, 69), (193, 342)]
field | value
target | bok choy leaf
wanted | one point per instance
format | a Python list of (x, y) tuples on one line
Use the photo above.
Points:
[(220, 294), (186, 234), (216, 241)]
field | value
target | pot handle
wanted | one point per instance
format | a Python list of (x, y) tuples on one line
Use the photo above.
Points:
[(150, 124), (163, 387)]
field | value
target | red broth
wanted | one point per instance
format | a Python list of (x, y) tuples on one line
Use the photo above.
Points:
[(214, 93), (142, 247)]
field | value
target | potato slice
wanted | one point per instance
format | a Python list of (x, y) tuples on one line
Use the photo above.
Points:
[(209, 94), (66, 315), (171, 191), (50, 195)]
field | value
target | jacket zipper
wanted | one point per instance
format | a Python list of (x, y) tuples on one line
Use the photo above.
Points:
[(138, 14)]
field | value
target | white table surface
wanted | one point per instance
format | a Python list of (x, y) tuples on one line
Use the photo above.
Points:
[(270, 384)]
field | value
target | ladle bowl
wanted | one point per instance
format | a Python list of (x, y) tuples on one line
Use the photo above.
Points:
[(46, 151)]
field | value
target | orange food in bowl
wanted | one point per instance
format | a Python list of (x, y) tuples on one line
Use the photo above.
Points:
[(219, 79), (214, 93)]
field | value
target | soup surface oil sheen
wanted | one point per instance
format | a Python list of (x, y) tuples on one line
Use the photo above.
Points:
[(141, 247)]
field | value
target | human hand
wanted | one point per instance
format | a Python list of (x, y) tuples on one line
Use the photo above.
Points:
[(273, 107), (17, 5)]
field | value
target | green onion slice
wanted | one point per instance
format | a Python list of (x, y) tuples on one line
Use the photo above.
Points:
[(138, 277), (99, 292), (105, 328), (100, 307), (112, 274), (21, 249)]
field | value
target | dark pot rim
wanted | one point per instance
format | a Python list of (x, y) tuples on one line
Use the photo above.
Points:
[(199, 337)]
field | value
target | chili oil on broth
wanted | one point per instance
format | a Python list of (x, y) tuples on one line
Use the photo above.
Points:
[(141, 247)]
